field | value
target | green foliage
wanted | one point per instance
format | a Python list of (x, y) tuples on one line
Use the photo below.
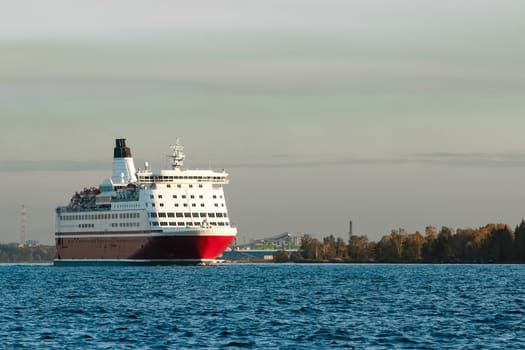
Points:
[(11, 253), (519, 242), (280, 256), (493, 243), (296, 257)]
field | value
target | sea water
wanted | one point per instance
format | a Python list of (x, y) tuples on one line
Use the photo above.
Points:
[(285, 306)]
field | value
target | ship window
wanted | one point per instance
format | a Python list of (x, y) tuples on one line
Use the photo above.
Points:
[(202, 204), (191, 186), (169, 186), (153, 215), (200, 196), (203, 215), (187, 215), (185, 204), (178, 185), (220, 197), (216, 204), (180, 223), (193, 204), (221, 223), (214, 196), (175, 196), (219, 215), (161, 204), (200, 185), (152, 204), (162, 215), (213, 223), (173, 223), (192, 196), (154, 223), (171, 215), (179, 215), (160, 196), (151, 196), (183, 196), (211, 215), (196, 223), (225, 215), (176, 204), (189, 223), (163, 223), (222, 204), (195, 215)]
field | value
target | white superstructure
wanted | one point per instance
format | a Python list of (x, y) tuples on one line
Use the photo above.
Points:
[(171, 199)]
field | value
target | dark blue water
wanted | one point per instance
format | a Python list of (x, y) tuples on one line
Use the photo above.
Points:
[(263, 306)]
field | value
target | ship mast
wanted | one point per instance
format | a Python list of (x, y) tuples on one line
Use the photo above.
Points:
[(178, 156)]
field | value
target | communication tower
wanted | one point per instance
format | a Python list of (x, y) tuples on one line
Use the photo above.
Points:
[(23, 222), (350, 224)]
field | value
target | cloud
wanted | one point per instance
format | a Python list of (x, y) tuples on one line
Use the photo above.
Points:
[(460, 159), (472, 159), (51, 165)]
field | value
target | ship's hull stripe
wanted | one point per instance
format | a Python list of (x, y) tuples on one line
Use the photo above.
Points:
[(146, 235), (120, 262), (140, 234)]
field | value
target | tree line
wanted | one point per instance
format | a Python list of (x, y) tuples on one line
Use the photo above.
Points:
[(11, 253), (492, 243)]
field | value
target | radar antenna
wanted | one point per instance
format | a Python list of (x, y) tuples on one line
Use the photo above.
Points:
[(178, 156)]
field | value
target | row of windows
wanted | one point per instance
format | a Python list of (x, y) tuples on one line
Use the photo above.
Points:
[(187, 223), (188, 215), (172, 178), (114, 224), (100, 216), (186, 204), (183, 196), (125, 224)]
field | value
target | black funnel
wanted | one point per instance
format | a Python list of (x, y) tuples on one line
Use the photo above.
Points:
[(121, 150)]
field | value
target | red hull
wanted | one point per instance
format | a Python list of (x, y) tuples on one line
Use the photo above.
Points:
[(143, 247)]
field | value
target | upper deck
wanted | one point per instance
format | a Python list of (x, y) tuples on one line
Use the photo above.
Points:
[(182, 176)]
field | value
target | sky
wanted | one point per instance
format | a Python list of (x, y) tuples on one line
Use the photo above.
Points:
[(393, 114)]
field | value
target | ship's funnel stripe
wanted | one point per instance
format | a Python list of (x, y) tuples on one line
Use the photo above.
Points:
[(121, 150)]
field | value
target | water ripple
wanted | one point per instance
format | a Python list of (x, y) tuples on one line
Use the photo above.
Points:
[(264, 306)]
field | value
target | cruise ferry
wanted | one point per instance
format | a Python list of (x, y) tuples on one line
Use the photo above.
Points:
[(172, 216)]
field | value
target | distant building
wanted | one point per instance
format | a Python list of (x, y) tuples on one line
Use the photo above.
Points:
[(284, 241), (32, 243), (264, 248)]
